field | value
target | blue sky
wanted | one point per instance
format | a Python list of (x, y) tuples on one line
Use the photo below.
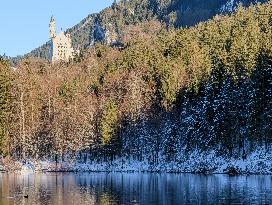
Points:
[(24, 23)]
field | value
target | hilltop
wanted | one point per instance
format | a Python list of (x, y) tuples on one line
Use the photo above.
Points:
[(109, 25)]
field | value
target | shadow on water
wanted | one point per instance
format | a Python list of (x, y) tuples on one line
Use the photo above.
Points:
[(130, 188)]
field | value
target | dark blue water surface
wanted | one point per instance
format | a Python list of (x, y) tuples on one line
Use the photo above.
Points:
[(131, 188)]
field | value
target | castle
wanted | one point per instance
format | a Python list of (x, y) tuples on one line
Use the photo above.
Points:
[(61, 44)]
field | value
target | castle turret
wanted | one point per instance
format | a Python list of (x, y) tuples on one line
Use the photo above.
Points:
[(52, 28)]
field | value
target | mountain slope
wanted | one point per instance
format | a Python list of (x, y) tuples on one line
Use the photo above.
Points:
[(109, 24)]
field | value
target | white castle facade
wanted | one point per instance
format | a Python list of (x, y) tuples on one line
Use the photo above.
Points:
[(61, 44)]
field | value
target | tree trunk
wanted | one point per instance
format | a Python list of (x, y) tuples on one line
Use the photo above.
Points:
[(22, 123)]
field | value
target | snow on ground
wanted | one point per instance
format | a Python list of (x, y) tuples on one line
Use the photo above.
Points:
[(258, 162), (228, 7)]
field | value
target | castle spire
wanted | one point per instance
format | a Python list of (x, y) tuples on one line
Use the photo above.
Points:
[(52, 27), (52, 18)]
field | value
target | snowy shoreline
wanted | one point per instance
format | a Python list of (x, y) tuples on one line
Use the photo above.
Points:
[(258, 162)]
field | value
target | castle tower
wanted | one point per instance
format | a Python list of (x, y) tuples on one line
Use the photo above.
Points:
[(52, 28)]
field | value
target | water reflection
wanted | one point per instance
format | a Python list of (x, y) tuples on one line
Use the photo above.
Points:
[(117, 189)]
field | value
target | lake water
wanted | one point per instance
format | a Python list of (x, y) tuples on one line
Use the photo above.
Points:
[(117, 189)]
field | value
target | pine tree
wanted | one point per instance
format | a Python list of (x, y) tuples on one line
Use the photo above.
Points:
[(109, 121)]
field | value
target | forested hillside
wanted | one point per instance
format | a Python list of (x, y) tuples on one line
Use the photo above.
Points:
[(165, 94), (109, 25)]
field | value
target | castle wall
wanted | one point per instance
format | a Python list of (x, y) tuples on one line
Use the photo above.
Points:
[(62, 48)]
